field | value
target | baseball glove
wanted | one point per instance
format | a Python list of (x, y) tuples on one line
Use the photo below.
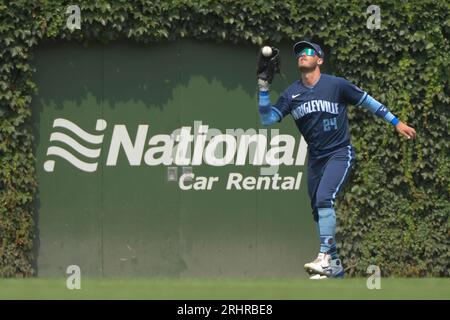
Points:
[(268, 66)]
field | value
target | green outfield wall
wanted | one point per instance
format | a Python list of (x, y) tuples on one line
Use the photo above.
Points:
[(109, 123)]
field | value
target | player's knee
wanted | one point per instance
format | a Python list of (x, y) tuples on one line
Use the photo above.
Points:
[(324, 203), (326, 213)]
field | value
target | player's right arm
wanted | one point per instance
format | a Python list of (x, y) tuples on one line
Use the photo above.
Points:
[(266, 69), (268, 114)]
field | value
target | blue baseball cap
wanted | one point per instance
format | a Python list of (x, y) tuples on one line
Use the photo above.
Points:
[(299, 46)]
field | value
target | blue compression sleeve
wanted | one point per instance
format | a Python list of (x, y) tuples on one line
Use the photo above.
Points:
[(327, 230), (268, 114), (378, 109)]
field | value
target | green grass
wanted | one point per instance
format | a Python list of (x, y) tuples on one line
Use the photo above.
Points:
[(295, 288)]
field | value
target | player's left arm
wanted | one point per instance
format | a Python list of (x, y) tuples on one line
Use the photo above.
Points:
[(356, 96), (382, 111)]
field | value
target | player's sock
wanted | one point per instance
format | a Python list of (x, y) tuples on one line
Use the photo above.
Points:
[(327, 231), (333, 251)]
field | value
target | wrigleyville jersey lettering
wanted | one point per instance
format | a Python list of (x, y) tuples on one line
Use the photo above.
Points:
[(320, 112), (314, 106)]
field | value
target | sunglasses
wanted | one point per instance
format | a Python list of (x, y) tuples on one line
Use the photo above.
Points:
[(307, 51)]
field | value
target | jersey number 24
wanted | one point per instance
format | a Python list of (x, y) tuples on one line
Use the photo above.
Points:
[(329, 124)]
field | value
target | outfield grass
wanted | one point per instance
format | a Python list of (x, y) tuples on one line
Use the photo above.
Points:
[(426, 288)]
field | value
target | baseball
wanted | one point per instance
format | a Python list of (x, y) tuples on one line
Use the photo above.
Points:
[(266, 51)]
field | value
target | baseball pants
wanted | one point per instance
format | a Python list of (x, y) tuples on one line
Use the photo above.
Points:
[(327, 176)]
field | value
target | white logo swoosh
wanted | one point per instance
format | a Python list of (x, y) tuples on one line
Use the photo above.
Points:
[(49, 165), (295, 95), (63, 123), (87, 152), (57, 151)]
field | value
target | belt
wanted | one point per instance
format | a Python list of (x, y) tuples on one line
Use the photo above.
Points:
[(321, 152)]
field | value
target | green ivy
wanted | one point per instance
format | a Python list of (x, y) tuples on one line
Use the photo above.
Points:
[(395, 212)]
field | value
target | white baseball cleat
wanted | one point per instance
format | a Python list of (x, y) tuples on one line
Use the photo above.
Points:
[(318, 277), (336, 269), (320, 265), (325, 266)]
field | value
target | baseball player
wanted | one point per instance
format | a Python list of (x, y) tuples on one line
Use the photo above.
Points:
[(318, 104)]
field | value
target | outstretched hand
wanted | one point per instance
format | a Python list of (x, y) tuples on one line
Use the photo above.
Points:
[(266, 67), (406, 130)]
